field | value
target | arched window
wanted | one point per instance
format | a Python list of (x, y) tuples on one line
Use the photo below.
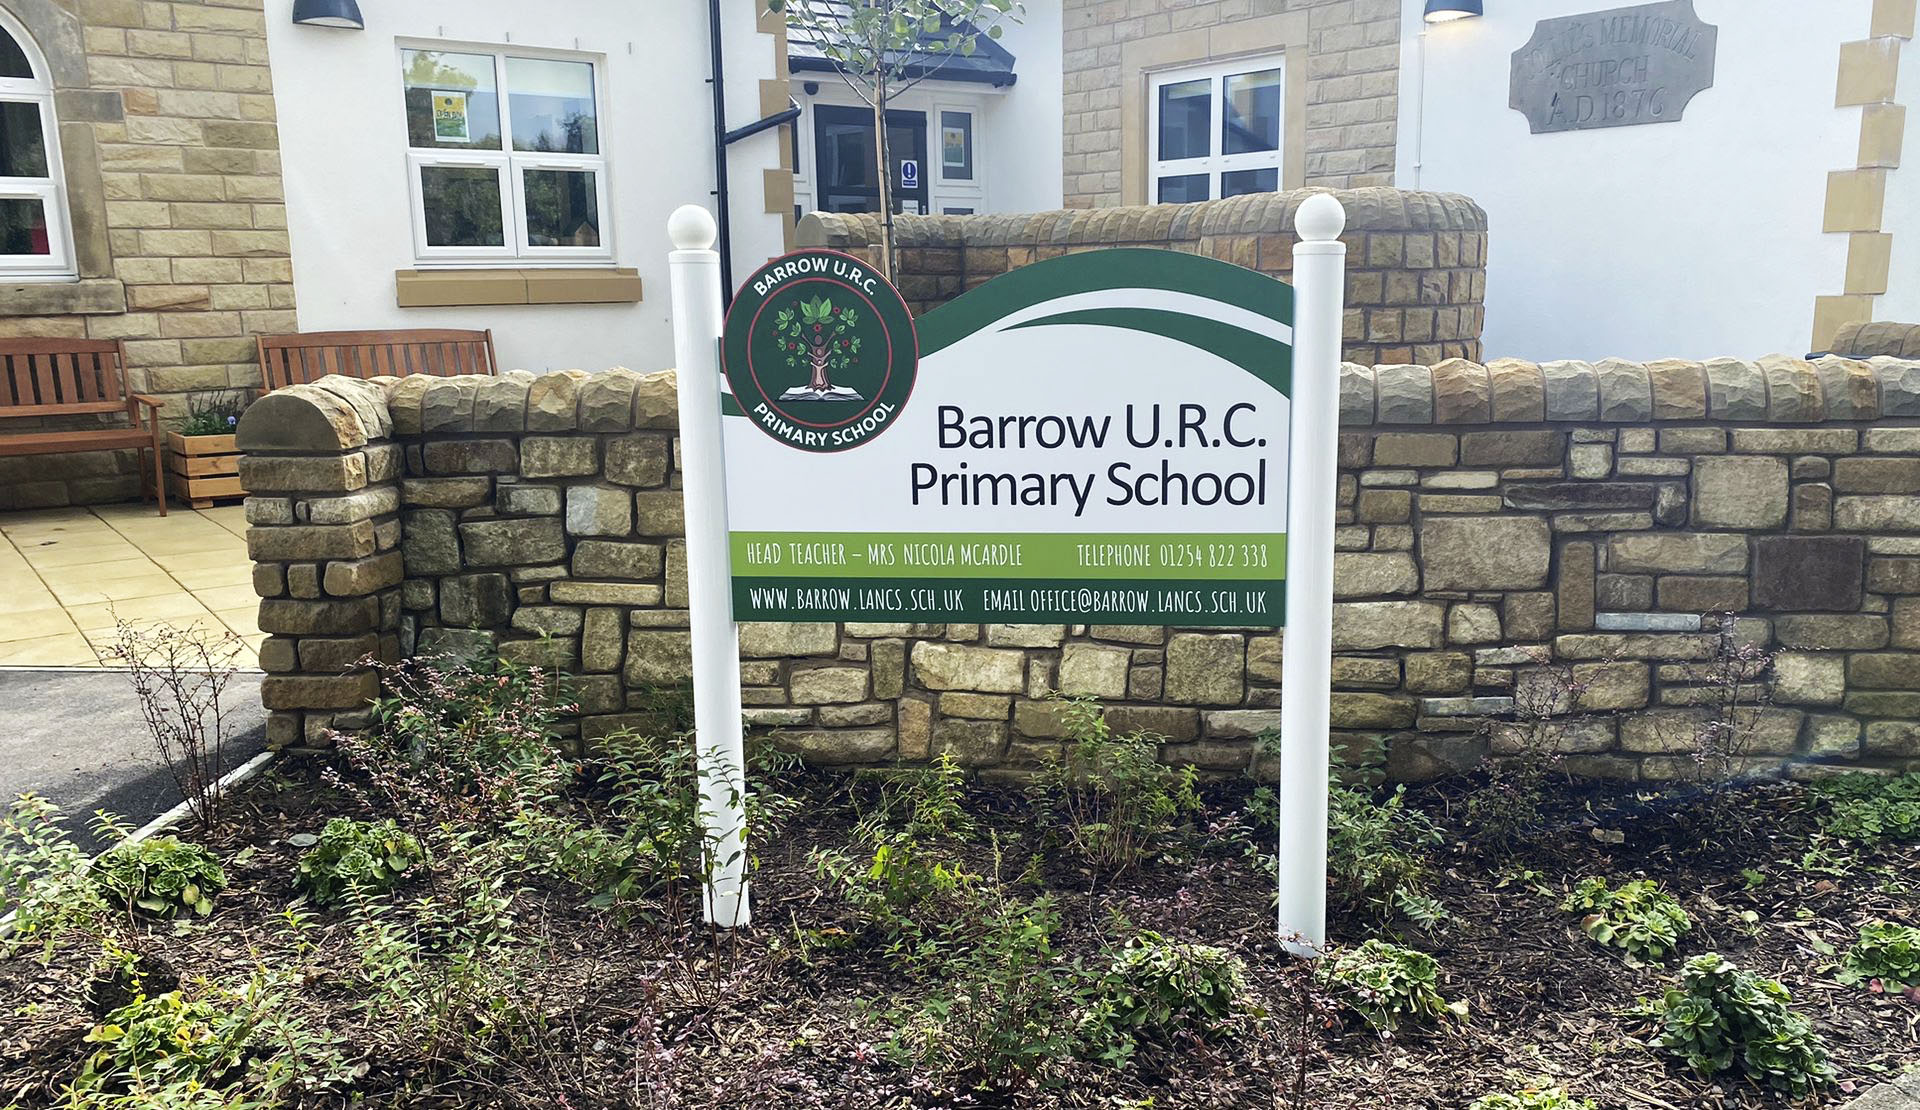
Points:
[(33, 203)]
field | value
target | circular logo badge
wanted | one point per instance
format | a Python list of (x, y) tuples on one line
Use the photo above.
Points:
[(820, 350)]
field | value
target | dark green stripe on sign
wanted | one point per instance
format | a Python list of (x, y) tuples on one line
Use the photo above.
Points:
[(1265, 358), (1197, 602)]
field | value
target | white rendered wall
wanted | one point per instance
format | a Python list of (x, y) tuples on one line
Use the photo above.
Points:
[(1902, 302), (1692, 239), (343, 159)]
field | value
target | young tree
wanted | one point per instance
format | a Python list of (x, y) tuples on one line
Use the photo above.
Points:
[(881, 48)]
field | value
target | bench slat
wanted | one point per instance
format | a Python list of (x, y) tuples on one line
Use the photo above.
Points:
[(293, 359)]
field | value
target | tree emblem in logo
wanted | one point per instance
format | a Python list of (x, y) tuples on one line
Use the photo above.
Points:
[(819, 351), (821, 337)]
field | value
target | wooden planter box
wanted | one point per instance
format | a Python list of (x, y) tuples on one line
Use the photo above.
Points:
[(202, 468)]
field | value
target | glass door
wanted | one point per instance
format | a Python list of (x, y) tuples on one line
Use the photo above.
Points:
[(845, 159)]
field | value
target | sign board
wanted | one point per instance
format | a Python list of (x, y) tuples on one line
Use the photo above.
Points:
[(1100, 438), (450, 117), (1615, 68), (909, 174)]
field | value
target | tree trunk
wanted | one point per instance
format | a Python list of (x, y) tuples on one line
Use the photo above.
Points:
[(882, 152)]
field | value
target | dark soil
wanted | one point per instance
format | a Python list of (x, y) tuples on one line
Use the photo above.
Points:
[(661, 1013)]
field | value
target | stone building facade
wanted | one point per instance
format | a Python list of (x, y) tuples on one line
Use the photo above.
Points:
[(1608, 518), (172, 179), (1416, 262), (1341, 97)]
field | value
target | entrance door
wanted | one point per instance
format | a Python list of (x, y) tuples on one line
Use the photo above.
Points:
[(844, 159)]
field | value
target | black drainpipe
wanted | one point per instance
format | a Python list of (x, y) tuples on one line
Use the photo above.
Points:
[(722, 139)]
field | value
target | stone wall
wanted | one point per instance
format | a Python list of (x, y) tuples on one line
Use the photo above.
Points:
[(1416, 262), (1604, 516), (173, 178)]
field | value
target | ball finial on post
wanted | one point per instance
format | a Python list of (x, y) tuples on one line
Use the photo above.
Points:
[(691, 228), (1320, 219)]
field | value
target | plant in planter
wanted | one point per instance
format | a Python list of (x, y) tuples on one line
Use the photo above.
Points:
[(204, 462)]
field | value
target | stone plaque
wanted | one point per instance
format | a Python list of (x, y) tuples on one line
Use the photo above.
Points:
[(1614, 68)]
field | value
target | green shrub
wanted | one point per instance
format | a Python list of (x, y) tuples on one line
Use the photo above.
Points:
[(1871, 808), (44, 878), (917, 902), (162, 875), (1637, 916), (1006, 1014), (1114, 799), (163, 1039), (1377, 853), (1720, 1017), (1532, 1098), (1155, 988), (925, 801), (1385, 983), (365, 855), (1886, 953)]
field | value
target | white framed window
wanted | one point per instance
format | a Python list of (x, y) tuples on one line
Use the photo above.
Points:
[(505, 160), (35, 237), (1215, 130)]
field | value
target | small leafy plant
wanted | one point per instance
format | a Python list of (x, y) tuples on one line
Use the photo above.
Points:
[(1720, 1018), (1531, 1098), (1114, 799), (1637, 916), (365, 855), (1867, 809), (214, 414), (925, 801), (1377, 854), (162, 1039), (1156, 988), (1886, 957), (163, 875), (1386, 984), (44, 878)]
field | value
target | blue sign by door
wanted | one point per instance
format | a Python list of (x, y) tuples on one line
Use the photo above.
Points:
[(909, 174)]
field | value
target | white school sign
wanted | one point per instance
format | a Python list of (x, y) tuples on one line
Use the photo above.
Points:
[(1112, 437), (1099, 438)]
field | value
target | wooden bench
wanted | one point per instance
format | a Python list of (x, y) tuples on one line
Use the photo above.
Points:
[(76, 377), (295, 359)]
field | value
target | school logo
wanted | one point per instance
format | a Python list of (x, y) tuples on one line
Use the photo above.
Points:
[(820, 351)]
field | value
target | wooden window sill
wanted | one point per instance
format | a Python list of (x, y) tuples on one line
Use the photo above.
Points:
[(442, 288)]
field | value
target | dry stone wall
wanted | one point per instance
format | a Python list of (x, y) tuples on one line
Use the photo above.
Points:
[(1610, 517)]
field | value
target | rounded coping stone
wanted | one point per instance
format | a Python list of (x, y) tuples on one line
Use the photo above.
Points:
[(304, 418), (691, 228)]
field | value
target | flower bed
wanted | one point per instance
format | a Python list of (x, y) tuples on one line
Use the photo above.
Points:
[(525, 933)]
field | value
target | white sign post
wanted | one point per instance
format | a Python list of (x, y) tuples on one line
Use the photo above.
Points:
[(694, 269), (1319, 272)]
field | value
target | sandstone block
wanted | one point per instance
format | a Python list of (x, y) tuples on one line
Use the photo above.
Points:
[(643, 595), (1809, 572), (1485, 553), (656, 400), (1164, 721), (456, 644), (515, 499), (603, 640), (658, 658), (470, 456), (428, 544), (1404, 394), (363, 576), (852, 716), (552, 400), (315, 473), (1372, 625), (310, 541), (445, 493), (1205, 669), (606, 559), (558, 456), (887, 660), (1461, 393), (1265, 656), (1832, 632), (949, 666), (499, 543), (1374, 574), (1809, 679), (971, 743), (1573, 393), (978, 707), (1473, 624), (1513, 448), (599, 511), (1440, 672), (659, 513), (475, 600), (775, 640), (1884, 671), (1900, 739), (1528, 616), (1679, 389), (1021, 635), (1414, 449), (822, 685), (1039, 719), (1626, 395), (548, 620), (1663, 730), (345, 691), (1695, 552), (1740, 491), (1371, 711), (354, 507), (637, 460), (837, 746), (1832, 735), (1877, 513), (322, 655), (1231, 724), (606, 401), (1637, 645), (1736, 390), (1092, 670), (345, 616), (1518, 391)]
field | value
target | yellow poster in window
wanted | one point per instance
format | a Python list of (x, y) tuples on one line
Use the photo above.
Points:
[(450, 117)]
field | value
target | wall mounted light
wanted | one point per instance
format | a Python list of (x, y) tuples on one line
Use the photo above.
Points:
[(344, 13), (1445, 11)]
